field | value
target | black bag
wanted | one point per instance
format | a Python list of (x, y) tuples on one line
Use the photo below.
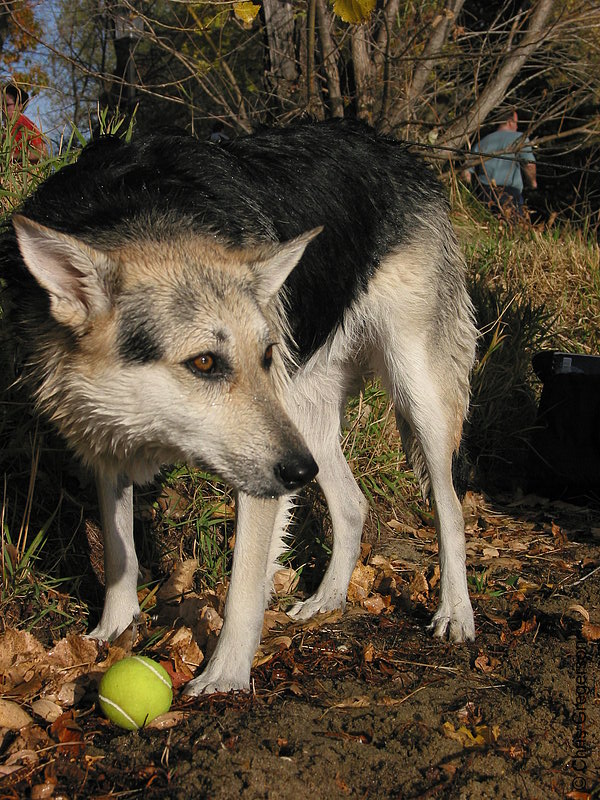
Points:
[(565, 459)]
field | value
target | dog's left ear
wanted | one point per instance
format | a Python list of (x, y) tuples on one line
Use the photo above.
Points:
[(275, 262)]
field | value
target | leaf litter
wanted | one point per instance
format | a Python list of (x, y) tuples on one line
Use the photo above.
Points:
[(351, 673)]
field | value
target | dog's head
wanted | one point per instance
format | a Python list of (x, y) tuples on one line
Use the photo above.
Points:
[(166, 348)]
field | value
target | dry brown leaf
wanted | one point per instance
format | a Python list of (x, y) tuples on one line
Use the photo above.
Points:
[(435, 576), (590, 632), (172, 503), (285, 581), (486, 664), (18, 760), (165, 721), (368, 653), (560, 536), (22, 659), (361, 583), (273, 618), (187, 648), (376, 603), (46, 709), (580, 610), (180, 581), (401, 527), (509, 563), (490, 552), (527, 626), (43, 790), (270, 648), (12, 716), (73, 656), (66, 731), (518, 547), (418, 587)]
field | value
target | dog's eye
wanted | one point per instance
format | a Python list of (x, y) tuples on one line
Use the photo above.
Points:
[(268, 357), (202, 364)]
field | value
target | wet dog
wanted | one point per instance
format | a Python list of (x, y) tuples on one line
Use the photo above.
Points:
[(216, 304)]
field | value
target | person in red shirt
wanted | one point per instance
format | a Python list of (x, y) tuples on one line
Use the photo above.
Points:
[(23, 133)]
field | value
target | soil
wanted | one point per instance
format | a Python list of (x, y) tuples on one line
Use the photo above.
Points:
[(368, 705)]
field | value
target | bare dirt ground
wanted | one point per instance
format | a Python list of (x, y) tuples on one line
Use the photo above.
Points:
[(367, 704)]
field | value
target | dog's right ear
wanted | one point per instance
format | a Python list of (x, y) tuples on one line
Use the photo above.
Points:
[(274, 263), (75, 275)]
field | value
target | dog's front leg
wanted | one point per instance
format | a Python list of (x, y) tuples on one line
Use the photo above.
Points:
[(120, 561), (229, 667)]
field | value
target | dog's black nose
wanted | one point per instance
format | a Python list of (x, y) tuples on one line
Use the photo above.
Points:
[(295, 471)]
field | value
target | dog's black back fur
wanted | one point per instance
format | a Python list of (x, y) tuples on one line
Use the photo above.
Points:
[(370, 194)]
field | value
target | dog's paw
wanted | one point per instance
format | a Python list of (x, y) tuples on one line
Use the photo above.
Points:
[(113, 625), (209, 683), (457, 624), (319, 603)]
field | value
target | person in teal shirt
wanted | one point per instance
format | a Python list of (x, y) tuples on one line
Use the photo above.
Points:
[(506, 162)]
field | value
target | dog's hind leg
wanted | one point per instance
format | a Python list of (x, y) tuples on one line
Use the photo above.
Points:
[(229, 666), (430, 429), (120, 561), (347, 507)]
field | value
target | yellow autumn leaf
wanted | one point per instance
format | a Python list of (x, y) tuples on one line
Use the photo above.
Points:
[(246, 11), (354, 11)]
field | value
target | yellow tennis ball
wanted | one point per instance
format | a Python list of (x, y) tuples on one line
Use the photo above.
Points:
[(134, 691)]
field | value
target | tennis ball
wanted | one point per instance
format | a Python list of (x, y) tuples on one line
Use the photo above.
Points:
[(134, 691)]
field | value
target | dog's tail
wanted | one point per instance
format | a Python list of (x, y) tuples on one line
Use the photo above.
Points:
[(461, 472)]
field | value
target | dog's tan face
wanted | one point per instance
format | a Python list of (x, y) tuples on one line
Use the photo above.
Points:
[(166, 351)]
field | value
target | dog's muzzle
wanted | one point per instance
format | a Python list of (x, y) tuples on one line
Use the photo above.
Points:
[(296, 471)]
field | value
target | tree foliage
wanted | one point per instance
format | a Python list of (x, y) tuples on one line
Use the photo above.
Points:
[(434, 71), (20, 32)]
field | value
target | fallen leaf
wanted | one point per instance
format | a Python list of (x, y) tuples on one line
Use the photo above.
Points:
[(590, 632), (486, 664), (70, 693), (12, 716), (527, 626), (478, 737), (172, 504), (580, 610), (46, 709), (66, 731), (22, 658), (418, 587), (180, 581), (42, 790), (368, 653), (165, 721), (285, 581), (560, 536), (18, 760), (270, 648), (376, 604), (490, 552), (361, 582)]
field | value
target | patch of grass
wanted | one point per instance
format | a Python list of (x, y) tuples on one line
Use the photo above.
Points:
[(533, 289)]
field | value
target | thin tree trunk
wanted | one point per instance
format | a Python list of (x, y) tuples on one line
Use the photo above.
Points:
[(282, 77), (330, 60), (363, 72)]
